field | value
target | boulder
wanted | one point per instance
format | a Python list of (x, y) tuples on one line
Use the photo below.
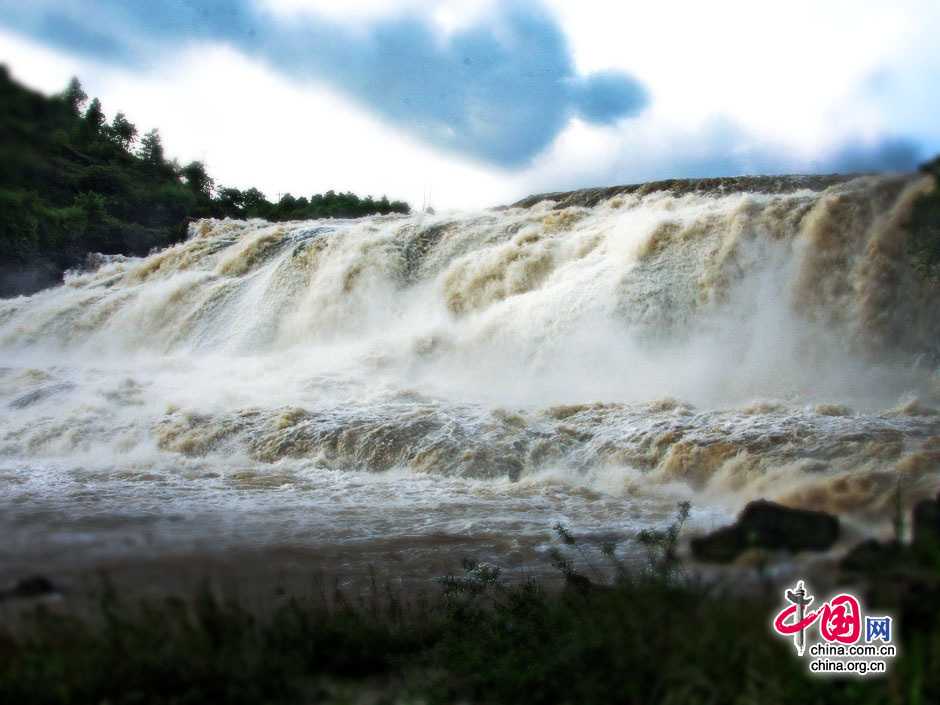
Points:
[(871, 557), (925, 524), (33, 586), (771, 526)]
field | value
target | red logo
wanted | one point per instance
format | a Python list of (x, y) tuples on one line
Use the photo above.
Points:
[(840, 619)]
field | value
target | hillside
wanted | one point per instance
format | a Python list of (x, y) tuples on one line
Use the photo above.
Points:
[(74, 184)]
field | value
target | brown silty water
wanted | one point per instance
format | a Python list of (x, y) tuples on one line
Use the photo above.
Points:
[(406, 388)]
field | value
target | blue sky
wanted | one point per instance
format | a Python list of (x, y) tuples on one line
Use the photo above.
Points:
[(479, 102)]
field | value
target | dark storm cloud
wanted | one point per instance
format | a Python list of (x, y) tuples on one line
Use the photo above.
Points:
[(499, 91)]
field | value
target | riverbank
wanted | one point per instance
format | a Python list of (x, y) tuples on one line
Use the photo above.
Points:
[(654, 635)]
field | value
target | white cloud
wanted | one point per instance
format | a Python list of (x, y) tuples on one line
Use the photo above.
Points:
[(797, 75), (448, 15), (41, 68), (734, 78), (254, 128)]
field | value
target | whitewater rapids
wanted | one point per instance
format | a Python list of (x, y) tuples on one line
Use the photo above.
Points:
[(589, 358)]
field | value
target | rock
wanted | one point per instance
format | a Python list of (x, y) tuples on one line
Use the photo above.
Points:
[(575, 582), (40, 394), (33, 586), (925, 524), (872, 557), (767, 525), (590, 197), (755, 558), (721, 546)]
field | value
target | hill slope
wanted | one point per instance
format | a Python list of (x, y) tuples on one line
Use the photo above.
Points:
[(73, 184)]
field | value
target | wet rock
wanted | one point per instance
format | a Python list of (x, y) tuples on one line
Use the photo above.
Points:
[(26, 588), (767, 525), (575, 582), (40, 394), (894, 574), (590, 197), (873, 557), (721, 546), (925, 524), (878, 560)]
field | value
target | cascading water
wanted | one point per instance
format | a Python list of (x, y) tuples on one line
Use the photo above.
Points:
[(588, 359)]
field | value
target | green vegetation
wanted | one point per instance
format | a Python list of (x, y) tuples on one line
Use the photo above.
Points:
[(645, 636), (73, 184)]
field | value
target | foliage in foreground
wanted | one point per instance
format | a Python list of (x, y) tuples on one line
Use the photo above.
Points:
[(655, 636)]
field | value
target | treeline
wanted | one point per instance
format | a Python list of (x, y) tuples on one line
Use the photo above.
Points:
[(73, 183), (252, 204)]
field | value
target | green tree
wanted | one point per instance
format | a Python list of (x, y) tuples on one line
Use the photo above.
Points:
[(151, 148), (197, 178), (94, 117), (75, 96), (123, 131), (92, 206), (254, 203), (286, 206), (231, 200)]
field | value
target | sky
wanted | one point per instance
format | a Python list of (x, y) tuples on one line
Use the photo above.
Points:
[(474, 103)]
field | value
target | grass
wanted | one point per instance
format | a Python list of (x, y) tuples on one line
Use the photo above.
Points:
[(654, 636)]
